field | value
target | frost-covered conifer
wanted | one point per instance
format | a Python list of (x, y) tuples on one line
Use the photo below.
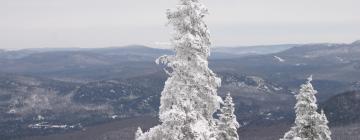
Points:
[(138, 133), (309, 124), (189, 98), (324, 128), (227, 123)]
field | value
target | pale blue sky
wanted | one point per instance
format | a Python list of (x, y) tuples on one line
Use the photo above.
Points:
[(102, 23)]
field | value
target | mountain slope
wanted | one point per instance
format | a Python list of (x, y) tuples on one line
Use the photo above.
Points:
[(343, 108), (90, 86)]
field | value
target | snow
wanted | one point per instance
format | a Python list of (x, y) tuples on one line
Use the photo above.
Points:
[(40, 118), (46, 125), (300, 64), (11, 111), (114, 116), (112, 91), (279, 59), (277, 88)]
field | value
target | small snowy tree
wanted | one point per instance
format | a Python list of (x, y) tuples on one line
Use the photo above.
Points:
[(309, 124), (227, 123), (138, 133), (189, 98), (324, 129)]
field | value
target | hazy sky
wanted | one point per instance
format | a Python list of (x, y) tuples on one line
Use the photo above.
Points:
[(101, 23)]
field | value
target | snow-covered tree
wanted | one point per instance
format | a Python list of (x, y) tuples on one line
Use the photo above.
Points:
[(324, 128), (138, 133), (189, 98), (309, 124), (227, 123)]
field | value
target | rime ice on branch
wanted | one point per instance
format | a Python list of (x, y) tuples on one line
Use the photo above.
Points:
[(189, 98), (309, 124)]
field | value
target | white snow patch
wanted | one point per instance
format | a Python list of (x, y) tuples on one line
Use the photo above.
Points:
[(114, 116), (46, 125), (279, 59), (300, 64), (112, 91), (11, 111), (40, 118)]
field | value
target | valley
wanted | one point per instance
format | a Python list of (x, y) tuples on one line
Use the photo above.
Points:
[(100, 89)]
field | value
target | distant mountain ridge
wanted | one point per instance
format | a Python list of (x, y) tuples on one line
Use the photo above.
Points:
[(251, 50), (89, 86), (218, 52), (319, 50), (357, 42)]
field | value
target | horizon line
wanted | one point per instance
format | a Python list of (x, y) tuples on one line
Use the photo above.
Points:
[(170, 46)]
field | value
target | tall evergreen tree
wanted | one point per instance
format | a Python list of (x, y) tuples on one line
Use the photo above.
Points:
[(189, 98), (309, 124), (227, 123)]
